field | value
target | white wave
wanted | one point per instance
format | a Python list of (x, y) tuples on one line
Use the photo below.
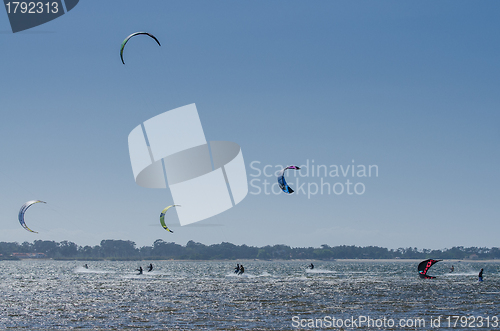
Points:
[(265, 274), (320, 271), (157, 273), (244, 275), (84, 270), (453, 274), (134, 276)]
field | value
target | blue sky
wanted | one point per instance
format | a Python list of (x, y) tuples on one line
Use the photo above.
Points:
[(411, 87)]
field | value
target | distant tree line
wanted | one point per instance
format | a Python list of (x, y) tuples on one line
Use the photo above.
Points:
[(127, 250)]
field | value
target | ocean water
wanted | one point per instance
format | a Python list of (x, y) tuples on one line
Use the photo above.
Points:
[(270, 295)]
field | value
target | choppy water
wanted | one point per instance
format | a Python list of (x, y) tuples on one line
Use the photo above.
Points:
[(209, 296)]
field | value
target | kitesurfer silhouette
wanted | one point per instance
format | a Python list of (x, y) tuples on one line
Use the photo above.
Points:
[(452, 269), (481, 275), (237, 269), (242, 269), (311, 266), (150, 267), (140, 270), (85, 266)]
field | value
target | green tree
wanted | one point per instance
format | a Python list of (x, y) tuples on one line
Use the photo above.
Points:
[(118, 248)]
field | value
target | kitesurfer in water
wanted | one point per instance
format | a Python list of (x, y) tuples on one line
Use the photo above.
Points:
[(85, 266), (237, 269), (481, 275), (150, 267), (452, 269), (311, 266), (140, 270), (242, 269)]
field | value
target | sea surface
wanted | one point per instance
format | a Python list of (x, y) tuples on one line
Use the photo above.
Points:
[(270, 295)]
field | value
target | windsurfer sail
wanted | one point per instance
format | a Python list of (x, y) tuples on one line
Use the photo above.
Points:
[(424, 266)]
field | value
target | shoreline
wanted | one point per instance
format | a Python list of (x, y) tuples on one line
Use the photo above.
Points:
[(252, 260)]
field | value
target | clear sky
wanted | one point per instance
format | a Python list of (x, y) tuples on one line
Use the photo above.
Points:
[(408, 87)]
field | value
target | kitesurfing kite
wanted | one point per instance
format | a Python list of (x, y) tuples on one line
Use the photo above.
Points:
[(162, 217), (132, 35), (282, 182), (424, 266), (23, 210)]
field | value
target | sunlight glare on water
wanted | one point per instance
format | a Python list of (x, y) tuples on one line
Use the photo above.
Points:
[(46, 294)]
